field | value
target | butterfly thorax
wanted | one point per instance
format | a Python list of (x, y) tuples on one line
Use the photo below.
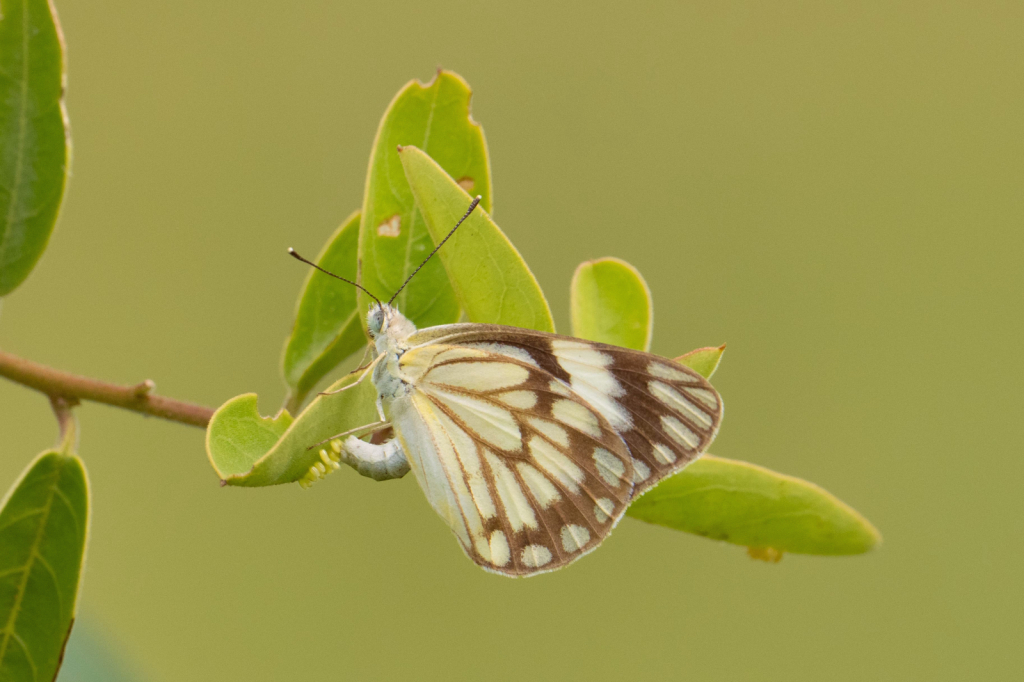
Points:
[(390, 330)]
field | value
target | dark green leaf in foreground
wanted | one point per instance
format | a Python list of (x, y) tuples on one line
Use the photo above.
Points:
[(393, 238), (327, 326), (492, 281), (247, 449), (33, 140), (43, 527), (749, 505), (611, 303)]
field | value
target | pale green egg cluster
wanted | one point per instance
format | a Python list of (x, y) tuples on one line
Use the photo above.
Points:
[(329, 461)]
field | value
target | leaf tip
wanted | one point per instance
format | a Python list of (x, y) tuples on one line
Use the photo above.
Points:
[(874, 536)]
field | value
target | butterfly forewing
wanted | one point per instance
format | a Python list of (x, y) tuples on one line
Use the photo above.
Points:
[(535, 475), (666, 413)]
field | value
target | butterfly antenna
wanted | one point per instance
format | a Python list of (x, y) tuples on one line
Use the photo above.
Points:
[(296, 256), (476, 201)]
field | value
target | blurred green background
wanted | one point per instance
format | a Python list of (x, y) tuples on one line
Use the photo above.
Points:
[(834, 189)]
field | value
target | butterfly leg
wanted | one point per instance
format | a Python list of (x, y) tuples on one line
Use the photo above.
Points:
[(358, 381), (379, 462)]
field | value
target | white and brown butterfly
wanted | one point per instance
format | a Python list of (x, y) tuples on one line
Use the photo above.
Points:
[(529, 445)]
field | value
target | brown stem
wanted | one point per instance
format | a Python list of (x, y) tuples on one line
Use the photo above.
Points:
[(62, 409), (71, 387)]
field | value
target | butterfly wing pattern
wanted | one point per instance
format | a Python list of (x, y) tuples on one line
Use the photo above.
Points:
[(531, 445)]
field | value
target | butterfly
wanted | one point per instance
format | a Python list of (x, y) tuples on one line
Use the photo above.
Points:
[(529, 445)]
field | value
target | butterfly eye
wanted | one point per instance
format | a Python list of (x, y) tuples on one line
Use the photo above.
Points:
[(375, 320)]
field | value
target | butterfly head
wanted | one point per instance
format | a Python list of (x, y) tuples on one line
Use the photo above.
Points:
[(384, 321)]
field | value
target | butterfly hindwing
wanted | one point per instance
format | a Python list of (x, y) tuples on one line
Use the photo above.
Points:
[(534, 476)]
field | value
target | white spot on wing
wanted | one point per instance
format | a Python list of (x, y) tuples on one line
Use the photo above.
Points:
[(603, 509), (574, 537), (557, 465), (550, 430), (493, 423), (680, 432), (478, 376), (542, 489), (520, 400), (517, 508), (640, 471), (675, 400), (590, 378), (576, 416), (705, 396), (609, 467), (516, 352), (560, 388), (664, 454), (662, 371), (535, 556), (500, 553)]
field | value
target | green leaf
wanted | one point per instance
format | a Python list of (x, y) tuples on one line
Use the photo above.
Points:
[(611, 304), (327, 326), (44, 522), (491, 280), (247, 449), (238, 436), (393, 239), (704, 361), (33, 135), (749, 505)]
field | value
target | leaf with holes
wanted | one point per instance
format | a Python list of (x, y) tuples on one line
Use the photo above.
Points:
[(327, 325), (749, 505), (33, 135), (492, 281), (44, 522), (393, 238), (250, 450), (611, 303)]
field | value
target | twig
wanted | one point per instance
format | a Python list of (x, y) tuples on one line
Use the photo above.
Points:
[(71, 388), (62, 410)]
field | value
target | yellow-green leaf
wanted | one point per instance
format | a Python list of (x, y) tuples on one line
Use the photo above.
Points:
[(393, 239), (44, 523), (704, 361), (746, 504), (492, 281), (611, 304), (238, 436), (327, 325), (33, 135), (247, 449)]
